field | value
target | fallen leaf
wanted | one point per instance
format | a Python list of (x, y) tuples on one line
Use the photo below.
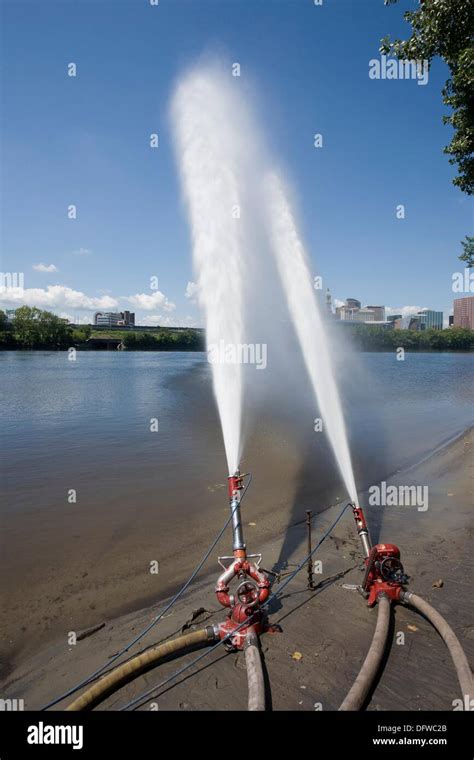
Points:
[(412, 628), (438, 584), (252, 525), (296, 656)]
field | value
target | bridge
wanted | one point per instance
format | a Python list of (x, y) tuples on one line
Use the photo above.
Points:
[(105, 343)]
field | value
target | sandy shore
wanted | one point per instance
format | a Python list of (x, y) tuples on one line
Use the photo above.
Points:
[(329, 627)]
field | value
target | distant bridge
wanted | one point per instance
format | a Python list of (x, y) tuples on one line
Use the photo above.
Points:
[(104, 343)]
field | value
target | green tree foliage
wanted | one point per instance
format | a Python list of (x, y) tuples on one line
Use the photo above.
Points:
[(372, 338), (445, 28), (80, 334), (165, 340), (33, 328), (468, 251)]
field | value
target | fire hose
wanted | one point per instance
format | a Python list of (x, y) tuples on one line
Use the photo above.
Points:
[(256, 683), (383, 583), (138, 664), (456, 651), (361, 686), (134, 667)]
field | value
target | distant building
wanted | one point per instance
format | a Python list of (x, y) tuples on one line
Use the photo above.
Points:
[(114, 319), (353, 303), (127, 318), (10, 314), (451, 320), (431, 320), (348, 314), (328, 302), (464, 312), (379, 313), (396, 320), (426, 319), (352, 311), (415, 323)]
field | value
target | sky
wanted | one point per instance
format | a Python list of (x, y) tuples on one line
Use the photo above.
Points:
[(85, 141)]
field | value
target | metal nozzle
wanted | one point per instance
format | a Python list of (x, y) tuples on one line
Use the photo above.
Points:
[(234, 488)]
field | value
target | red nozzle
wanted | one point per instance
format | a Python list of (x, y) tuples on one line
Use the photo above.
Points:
[(234, 484), (359, 517)]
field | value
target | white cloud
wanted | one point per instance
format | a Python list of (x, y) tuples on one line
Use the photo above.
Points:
[(405, 311), (191, 291), (156, 300), (56, 297), (47, 268), (82, 252), (166, 321), (76, 319), (337, 302)]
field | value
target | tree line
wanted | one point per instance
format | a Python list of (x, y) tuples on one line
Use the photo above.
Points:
[(35, 329), (373, 338)]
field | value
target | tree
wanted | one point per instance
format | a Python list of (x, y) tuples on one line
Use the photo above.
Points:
[(468, 253), (3, 319), (81, 334), (444, 28), (33, 328)]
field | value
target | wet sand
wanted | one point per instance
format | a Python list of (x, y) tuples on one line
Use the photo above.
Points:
[(330, 627)]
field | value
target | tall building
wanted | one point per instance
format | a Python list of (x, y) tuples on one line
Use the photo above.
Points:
[(431, 320), (464, 312), (379, 313), (128, 318)]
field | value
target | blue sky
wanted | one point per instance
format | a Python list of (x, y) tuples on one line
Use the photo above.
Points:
[(85, 141)]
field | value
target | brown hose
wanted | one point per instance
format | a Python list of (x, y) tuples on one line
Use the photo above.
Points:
[(461, 664), (256, 684), (360, 688), (123, 673)]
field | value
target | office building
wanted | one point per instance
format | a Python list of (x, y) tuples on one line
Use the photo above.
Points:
[(431, 320), (114, 319), (464, 312), (379, 313)]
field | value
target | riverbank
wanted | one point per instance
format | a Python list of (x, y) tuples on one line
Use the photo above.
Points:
[(326, 632)]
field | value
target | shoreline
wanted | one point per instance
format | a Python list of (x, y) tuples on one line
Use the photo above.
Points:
[(331, 653), (357, 349)]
